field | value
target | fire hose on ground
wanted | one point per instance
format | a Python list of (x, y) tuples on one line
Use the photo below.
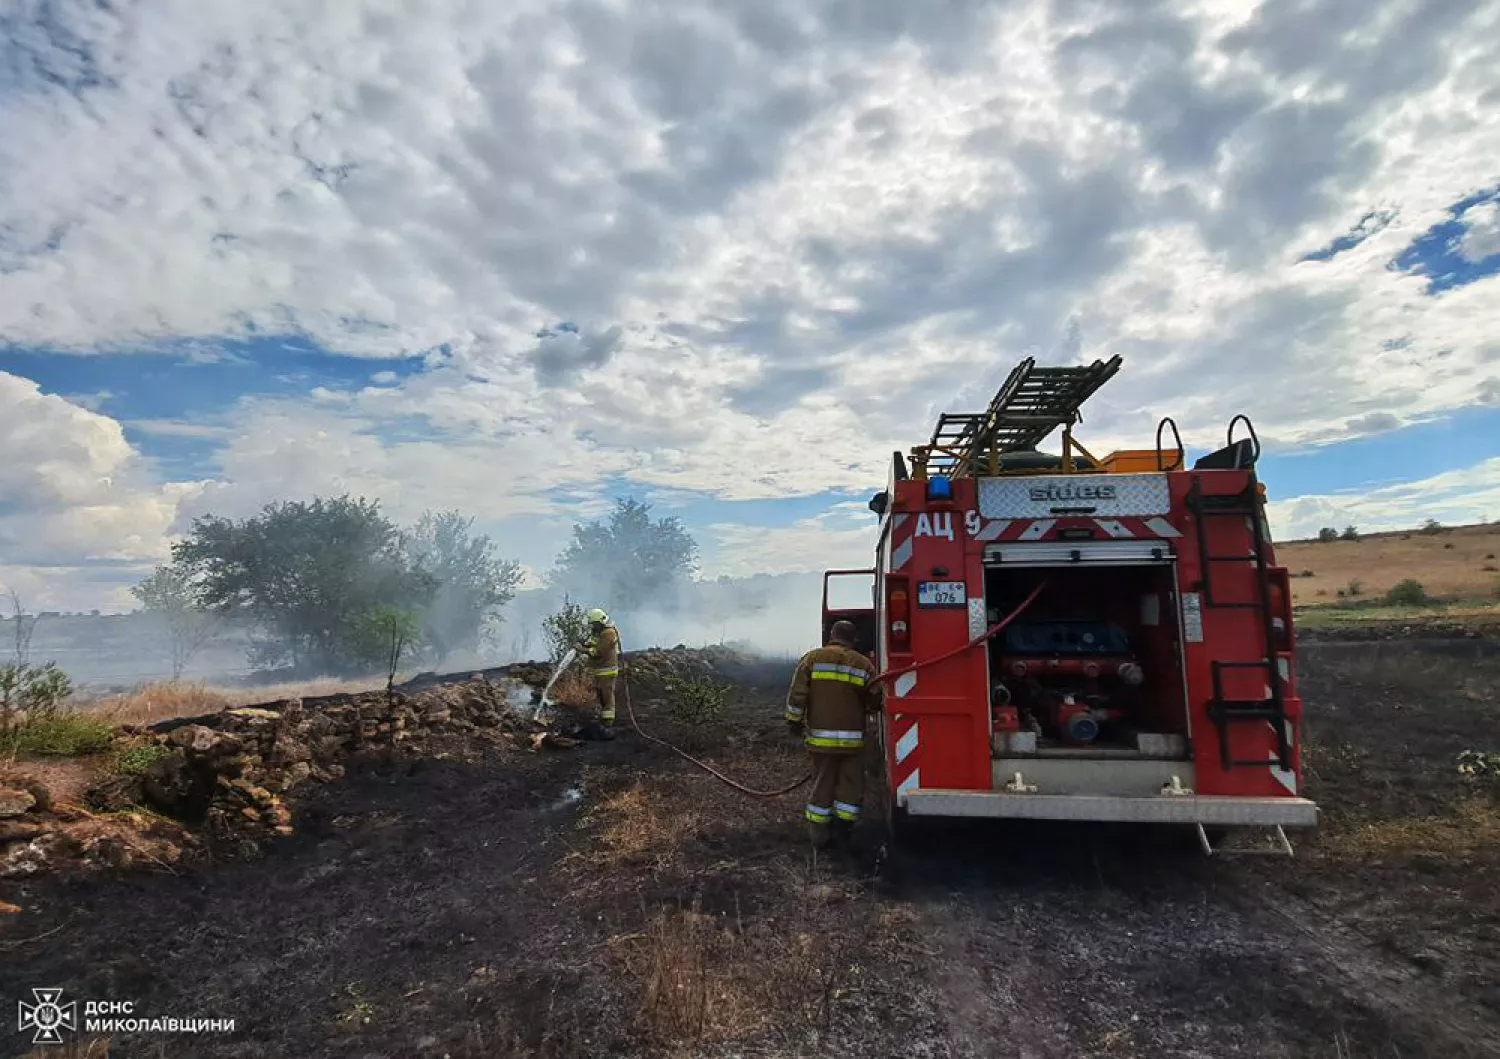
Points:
[(888, 675)]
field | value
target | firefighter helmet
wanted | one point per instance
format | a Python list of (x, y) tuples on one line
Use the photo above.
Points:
[(597, 617)]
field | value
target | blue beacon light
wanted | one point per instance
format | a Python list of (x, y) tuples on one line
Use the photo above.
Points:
[(939, 489)]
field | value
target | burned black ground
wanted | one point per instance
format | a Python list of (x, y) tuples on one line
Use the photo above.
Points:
[(615, 901)]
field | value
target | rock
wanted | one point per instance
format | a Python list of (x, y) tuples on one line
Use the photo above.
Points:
[(115, 793), (253, 714), (299, 772), (19, 830), (15, 801), (42, 795), (202, 741), (288, 751)]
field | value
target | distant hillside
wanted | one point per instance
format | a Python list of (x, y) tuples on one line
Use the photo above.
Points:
[(1452, 564)]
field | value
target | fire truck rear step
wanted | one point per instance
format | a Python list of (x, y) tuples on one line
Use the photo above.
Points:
[(1280, 846), (1205, 809)]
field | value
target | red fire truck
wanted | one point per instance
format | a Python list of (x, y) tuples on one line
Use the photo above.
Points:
[(1068, 638)]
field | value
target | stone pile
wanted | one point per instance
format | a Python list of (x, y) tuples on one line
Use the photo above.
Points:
[(232, 770)]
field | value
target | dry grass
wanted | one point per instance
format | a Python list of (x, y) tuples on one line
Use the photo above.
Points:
[(1450, 565), (159, 702), (576, 688), (1472, 828), (638, 827), (716, 978)]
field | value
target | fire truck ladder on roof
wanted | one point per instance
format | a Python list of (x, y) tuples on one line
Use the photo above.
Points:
[(1222, 711), (1030, 405)]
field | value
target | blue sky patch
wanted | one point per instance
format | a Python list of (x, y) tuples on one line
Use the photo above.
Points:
[(1370, 224), (1436, 253)]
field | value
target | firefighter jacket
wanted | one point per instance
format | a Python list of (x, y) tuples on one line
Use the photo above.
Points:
[(830, 694), (603, 649)]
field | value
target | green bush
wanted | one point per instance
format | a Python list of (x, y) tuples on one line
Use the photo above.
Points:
[(1408, 593), (60, 735), (32, 720), (1432, 526), (565, 629), (1327, 534), (696, 701), (1351, 533), (138, 759)]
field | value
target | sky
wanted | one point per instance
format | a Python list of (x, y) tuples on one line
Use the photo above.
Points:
[(521, 259)]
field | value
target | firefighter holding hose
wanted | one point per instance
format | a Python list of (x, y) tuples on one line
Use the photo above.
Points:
[(832, 692), (603, 651)]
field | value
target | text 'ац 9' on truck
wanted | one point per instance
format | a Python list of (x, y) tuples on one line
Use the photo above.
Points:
[(1072, 638)]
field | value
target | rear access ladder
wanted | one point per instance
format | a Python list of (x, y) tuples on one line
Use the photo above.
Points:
[(1224, 711)]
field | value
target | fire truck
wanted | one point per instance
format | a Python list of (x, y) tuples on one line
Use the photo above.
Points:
[(1068, 638)]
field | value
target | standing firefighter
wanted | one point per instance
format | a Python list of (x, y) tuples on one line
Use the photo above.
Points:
[(603, 650), (831, 694)]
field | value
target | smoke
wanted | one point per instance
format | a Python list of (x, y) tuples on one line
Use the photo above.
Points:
[(772, 615)]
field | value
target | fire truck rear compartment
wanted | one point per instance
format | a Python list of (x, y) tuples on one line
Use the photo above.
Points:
[(1087, 684)]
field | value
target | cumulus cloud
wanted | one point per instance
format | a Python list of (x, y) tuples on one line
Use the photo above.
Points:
[(1481, 238), (75, 499), (1454, 498), (790, 234)]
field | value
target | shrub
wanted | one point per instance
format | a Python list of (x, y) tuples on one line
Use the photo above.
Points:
[(1408, 593), (1327, 533), (138, 759), (565, 629), (696, 700), (60, 735), (1351, 533), (1305, 573), (31, 698), (1432, 526), (1355, 588)]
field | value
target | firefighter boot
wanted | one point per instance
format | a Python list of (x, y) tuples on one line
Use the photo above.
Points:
[(818, 834), (843, 838)]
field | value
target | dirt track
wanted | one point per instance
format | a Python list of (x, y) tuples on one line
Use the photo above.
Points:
[(614, 901)]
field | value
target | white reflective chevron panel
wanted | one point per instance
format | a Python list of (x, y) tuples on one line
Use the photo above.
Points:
[(906, 744)]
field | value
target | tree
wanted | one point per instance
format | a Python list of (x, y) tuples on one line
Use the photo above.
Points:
[(471, 582), (303, 572), (171, 594), (627, 561), (1351, 533), (565, 630), (381, 635), (1328, 533)]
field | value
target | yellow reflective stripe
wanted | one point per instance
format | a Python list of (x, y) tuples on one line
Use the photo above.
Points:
[(843, 674), (846, 811), (793, 713), (818, 814), (835, 738), (612, 671)]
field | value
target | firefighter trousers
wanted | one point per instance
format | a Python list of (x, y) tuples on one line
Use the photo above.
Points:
[(604, 690), (838, 788)]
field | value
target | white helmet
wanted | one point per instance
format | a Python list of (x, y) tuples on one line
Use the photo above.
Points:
[(597, 617)]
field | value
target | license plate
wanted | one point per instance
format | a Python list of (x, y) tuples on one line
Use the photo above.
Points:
[(941, 594)]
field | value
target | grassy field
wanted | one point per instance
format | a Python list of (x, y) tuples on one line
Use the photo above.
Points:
[(1456, 566)]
